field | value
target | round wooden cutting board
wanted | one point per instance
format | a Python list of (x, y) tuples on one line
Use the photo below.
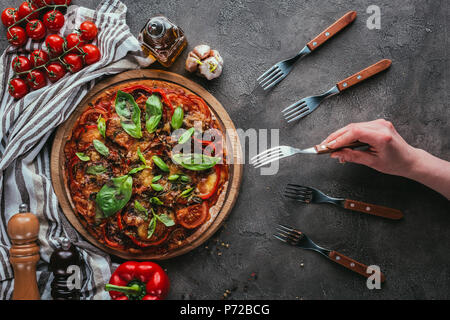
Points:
[(218, 212)]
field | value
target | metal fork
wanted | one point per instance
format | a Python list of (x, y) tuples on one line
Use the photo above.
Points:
[(280, 70), (297, 238), (281, 152), (311, 195), (305, 106)]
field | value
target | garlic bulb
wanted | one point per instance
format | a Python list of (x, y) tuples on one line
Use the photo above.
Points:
[(208, 63)]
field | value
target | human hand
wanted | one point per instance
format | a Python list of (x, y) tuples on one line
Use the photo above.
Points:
[(388, 152)]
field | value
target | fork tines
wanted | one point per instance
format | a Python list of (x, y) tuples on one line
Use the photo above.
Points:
[(298, 192), (296, 111), (271, 77), (288, 234), (267, 156)]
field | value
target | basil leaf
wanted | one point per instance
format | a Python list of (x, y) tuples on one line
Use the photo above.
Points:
[(96, 170), (177, 118), (100, 147), (185, 179), (160, 163), (173, 177), (186, 136), (139, 207), (153, 113), (195, 161), (98, 215), (114, 195), (155, 200), (82, 156), (157, 187), (129, 113), (138, 169), (156, 178), (151, 227), (166, 219), (186, 193), (101, 126), (141, 156), (152, 123)]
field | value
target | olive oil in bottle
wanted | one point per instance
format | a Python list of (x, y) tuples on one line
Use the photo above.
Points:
[(163, 40)]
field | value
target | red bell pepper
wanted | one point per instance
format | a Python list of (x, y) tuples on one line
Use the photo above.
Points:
[(119, 221), (138, 281), (100, 111), (144, 244), (70, 168), (151, 90), (201, 103), (216, 184), (109, 242), (211, 146)]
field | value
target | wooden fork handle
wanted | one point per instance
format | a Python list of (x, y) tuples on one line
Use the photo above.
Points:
[(352, 265), (375, 210), (321, 148), (329, 32), (364, 74)]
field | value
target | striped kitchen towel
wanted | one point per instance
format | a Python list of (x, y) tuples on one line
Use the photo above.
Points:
[(25, 128)]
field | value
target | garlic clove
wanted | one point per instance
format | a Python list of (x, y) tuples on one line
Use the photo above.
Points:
[(216, 54), (202, 51), (210, 68), (192, 62), (193, 55)]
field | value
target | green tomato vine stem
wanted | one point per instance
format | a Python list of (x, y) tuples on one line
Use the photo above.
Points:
[(54, 6), (59, 58)]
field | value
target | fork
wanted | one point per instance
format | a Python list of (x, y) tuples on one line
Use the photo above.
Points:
[(281, 152), (297, 238), (305, 106), (312, 195), (280, 70)]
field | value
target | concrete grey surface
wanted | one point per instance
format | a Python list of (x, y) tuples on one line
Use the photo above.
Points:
[(252, 35)]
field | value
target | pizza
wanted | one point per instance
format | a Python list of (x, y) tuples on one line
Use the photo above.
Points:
[(145, 163)]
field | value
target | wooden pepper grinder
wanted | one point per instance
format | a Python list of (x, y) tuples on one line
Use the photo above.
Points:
[(23, 230), (60, 262)]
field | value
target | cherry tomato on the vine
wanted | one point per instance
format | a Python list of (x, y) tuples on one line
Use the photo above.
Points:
[(55, 71), (38, 58), (54, 44), (53, 20), (88, 31), (16, 36), (92, 54), (21, 64), (27, 8), (18, 88), (36, 30), (9, 16), (66, 2), (72, 40), (36, 79), (74, 62)]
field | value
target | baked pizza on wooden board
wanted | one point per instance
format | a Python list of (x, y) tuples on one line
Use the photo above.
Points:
[(148, 166)]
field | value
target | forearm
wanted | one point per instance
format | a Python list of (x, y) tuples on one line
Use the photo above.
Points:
[(432, 172)]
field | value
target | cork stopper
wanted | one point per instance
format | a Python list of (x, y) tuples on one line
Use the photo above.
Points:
[(24, 226)]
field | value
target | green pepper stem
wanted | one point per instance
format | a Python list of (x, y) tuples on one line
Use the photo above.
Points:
[(134, 289)]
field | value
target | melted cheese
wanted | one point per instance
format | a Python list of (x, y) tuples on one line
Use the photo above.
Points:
[(145, 177), (207, 185), (90, 135)]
